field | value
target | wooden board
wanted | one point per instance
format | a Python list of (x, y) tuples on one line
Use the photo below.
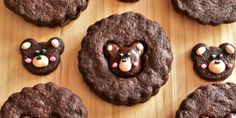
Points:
[(183, 33)]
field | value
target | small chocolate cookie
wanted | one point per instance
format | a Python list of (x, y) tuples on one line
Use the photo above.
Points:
[(41, 58), (125, 59), (129, 0), (44, 101), (210, 101), (214, 63), (213, 12), (49, 13)]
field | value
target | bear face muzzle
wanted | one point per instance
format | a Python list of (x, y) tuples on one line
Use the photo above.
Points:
[(40, 61), (217, 66), (125, 65)]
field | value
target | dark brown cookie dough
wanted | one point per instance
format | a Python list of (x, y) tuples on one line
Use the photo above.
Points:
[(117, 76), (213, 12), (129, 0), (44, 101), (210, 101), (214, 63), (49, 13), (41, 58)]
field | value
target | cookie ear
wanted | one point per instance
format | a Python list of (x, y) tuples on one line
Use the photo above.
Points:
[(139, 47), (26, 45), (111, 49), (199, 49), (227, 47), (57, 43)]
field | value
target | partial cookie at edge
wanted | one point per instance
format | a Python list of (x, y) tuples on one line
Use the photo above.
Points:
[(47, 13), (44, 101)]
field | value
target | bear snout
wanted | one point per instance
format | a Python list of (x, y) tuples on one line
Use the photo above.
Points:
[(124, 60), (125, 65), (217, 66), (40, 61)]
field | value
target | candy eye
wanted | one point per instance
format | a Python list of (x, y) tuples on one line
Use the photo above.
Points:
[(220, 56), (213, 56), (36, 52), (44, 51), (121, 54), (128, 54)]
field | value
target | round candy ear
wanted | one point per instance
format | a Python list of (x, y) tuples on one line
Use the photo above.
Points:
[(26, 45), (55, 43), (201, 50), (109, 48), (229, 49), (140, 46), (112, 47)]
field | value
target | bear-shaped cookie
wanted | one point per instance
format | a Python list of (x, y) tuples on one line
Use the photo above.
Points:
[(214, 63), (41, 58), (124, 61)]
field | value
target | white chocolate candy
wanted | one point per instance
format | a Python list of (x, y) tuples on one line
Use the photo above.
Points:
[(55, 43), (140, 46), (125, 66), (217, 66), (25, 45), (201, 51), (42, 62), (229, 49), (109, 48)]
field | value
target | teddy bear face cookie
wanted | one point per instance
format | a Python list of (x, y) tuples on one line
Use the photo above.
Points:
[(124, 61), (41, 58), (214, 63)]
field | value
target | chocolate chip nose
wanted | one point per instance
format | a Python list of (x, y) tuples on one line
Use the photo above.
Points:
[(217, 62), (124, 60), (39, 57)]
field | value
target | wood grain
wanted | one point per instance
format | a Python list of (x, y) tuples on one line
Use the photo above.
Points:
[(183, 33)]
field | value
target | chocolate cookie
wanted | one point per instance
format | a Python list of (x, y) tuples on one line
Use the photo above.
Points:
[(129, 0), (210, 101), (214, 63), (213, 12), (41, 58), (49, 13), (125, 59), (44, 101)]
